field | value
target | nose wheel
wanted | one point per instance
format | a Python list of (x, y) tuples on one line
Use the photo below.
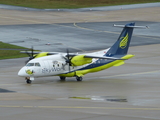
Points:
[(28, 81)]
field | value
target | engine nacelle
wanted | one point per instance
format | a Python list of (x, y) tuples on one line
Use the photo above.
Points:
[(80, 60), (42, 54)]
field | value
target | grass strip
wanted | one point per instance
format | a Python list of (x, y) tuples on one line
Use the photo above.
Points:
[(8, 51), (55, 4)]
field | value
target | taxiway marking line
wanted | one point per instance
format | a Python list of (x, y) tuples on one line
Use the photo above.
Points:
[(141, 73), (93, 29), (141, 36), (12, 18), (78, 107), (38, 22), (123, 75), (120, 75), (75, 24)]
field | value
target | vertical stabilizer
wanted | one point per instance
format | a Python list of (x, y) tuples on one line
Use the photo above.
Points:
[(121, 46)]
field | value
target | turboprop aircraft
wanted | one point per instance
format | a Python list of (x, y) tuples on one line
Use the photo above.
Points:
[(67, 64)]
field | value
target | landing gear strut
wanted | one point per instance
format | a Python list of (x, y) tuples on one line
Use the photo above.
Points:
[(28, 81), (62, 78), (79, 78)]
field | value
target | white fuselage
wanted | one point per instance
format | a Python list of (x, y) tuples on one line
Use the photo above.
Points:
[(51, 65)]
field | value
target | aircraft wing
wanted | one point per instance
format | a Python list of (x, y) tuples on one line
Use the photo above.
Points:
[(92, 56), (37, 52), (78, 60)]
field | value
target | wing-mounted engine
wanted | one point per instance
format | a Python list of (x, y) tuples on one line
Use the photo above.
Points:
[(75, 59), (42, 54), (80, 60), (36, 54)]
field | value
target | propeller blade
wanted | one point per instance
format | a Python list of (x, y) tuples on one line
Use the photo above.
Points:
[(68, 60), (32, 51), (68, 54), (30, 54)]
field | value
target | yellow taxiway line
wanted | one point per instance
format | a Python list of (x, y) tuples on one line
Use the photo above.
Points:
[(129, 74), (78, 107)]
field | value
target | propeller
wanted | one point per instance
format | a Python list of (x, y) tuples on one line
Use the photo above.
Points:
[(68, 59), (30, 54)]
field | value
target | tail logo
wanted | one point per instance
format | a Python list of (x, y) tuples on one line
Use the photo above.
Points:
[(124, 41)]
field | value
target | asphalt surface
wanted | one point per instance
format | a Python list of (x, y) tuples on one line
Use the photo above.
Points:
[(77, 37), (128, 92)]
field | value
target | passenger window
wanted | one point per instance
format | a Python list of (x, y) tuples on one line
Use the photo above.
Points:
[(37, 64)]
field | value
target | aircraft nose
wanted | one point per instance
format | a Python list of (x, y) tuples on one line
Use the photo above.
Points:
[(22, 72)]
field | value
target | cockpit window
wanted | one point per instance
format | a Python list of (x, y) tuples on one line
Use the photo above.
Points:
[(30, 64), (33, 64), (37, 64)]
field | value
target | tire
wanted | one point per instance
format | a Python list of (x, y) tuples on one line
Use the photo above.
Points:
[(79, 78), (62, 78), (28, 81)]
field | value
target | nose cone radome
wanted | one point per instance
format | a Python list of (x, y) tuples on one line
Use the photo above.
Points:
[(22, 72)]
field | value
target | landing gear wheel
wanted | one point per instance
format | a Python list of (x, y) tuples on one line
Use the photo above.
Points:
[(28, 81), (79, 78), (62, 78)]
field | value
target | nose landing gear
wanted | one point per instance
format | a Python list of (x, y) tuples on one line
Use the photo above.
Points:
[(29, 80)]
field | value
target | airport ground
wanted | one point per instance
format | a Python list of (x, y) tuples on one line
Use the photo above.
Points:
[(128, 92)]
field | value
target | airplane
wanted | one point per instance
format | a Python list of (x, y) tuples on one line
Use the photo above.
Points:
[(44, 64)]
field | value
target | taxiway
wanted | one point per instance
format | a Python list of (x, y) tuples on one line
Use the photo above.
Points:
[(128, 92)]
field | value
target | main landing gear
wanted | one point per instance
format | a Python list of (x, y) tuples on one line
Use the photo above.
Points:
[(77, 78), (62, 78)]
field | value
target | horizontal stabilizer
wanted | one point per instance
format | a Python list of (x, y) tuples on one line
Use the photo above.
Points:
[(122, 26), (109, 58)]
